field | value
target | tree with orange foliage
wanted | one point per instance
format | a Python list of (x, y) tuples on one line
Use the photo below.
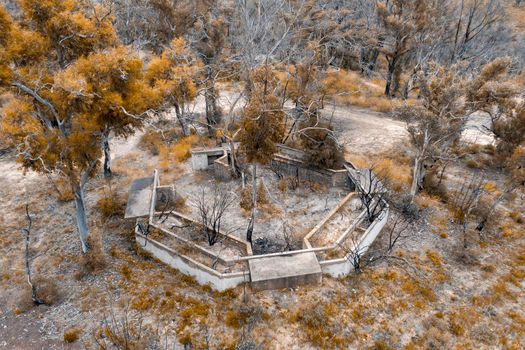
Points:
[(65, 92), (495, 93), (262, 126), (111, 86), (315, 134), (436, 123), (173, 74)]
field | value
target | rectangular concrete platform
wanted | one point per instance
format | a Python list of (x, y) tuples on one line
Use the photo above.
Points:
[(276, 272), (139, 198)]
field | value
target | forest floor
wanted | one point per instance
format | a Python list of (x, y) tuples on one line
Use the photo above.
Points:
[(433, 294)]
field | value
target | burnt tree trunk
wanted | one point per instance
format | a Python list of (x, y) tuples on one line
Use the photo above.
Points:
[(180, 118), (107, 156), (27, 232), (392, 63)]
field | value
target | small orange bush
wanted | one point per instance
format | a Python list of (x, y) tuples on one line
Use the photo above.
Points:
[(434, 258), (181, 149), (72, 335), (65, 194), (110, 205)]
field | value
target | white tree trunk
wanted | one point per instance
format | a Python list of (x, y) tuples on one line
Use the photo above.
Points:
[(82, 225), (416, 176)]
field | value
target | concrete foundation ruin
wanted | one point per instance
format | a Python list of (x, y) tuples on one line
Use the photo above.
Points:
[(267, 271)]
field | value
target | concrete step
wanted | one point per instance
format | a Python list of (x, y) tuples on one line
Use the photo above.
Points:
[(139, 199), (285, 271)]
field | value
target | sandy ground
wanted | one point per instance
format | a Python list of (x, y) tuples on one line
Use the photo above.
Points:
[(363, 131), (369, 305)]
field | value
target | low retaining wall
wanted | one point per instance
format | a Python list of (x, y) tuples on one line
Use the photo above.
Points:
[(342, 267), (306, 239), (222, 169), (239, 243), (297, 168), (288, 161), (222, 281), (202, 273)]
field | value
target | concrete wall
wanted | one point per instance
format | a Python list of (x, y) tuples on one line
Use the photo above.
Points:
[(190, 267), (199, 161), (373, 230), (337, 267), (239, 243), (165, 195), (288, 282), (222, 169), (296, 168), (340, 179), (292, 152), (202, 159), (342, 267), (288, 161), (306, 239), (222, 281)]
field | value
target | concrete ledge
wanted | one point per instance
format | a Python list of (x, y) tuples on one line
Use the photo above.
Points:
[(203, 274), (139, 198), (285, 271)]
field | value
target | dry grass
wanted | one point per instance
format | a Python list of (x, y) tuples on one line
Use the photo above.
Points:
[(517, 217), (94, 260), (246, 200), (319, 323), (393, 168), (434, 258), (110, 205), (288, 183), (177, 151), (350, 88), (181, 149), (65, 194), (164, 158), (396, 174), (243, 315), (46, 290), (516, 15), (153, 140), (72, 335)]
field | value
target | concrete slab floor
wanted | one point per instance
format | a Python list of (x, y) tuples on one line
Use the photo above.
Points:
[(139, 198), (286, 271)]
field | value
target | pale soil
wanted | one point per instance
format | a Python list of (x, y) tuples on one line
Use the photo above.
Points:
[(366, 132), (410, 300)]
